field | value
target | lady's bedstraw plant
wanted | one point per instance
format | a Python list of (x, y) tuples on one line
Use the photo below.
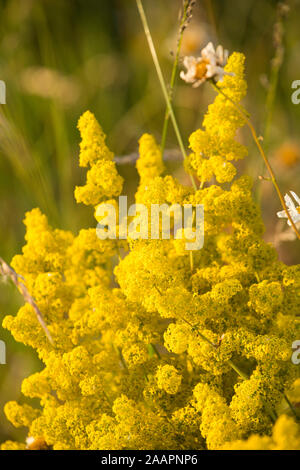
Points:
[(148, 354)]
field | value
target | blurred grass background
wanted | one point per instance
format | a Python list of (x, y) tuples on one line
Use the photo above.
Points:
[(62, 57)]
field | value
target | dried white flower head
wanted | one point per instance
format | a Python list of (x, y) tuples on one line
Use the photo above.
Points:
[(294, 210), (210, 64)]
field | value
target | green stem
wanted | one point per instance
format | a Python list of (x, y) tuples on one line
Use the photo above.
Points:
[(237, 370), (173, 76), (155, 350), (162, 82), (276, 63), (292, 408), (270, 101), (123, 362)]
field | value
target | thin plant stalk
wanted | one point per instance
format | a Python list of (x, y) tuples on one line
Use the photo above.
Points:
[(278, 37), (8, 271), (291, 406), (162, 82), (173, 75), (271, 98), (155, 350), (276, 63), (262, 153)]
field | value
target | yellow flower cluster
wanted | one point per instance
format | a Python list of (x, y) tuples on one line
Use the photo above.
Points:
[(150, 352), (103, 180), (214, 147), (168, 379)]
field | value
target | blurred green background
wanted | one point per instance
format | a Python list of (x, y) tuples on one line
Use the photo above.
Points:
[(62, 57)]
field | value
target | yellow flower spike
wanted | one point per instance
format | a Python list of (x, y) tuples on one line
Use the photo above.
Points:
[(92, 145), (150, 162), (103, 180)]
